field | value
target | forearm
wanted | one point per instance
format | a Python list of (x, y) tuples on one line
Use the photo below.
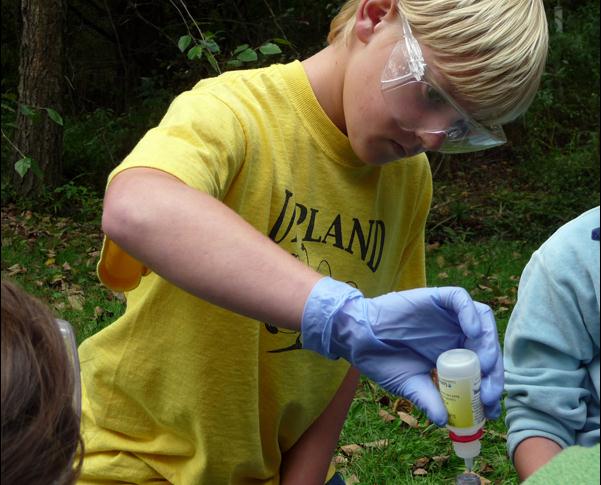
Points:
[(308, 460), (199, 244), (532, 453)]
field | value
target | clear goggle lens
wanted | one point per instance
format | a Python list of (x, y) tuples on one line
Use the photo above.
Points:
[(418, 103)]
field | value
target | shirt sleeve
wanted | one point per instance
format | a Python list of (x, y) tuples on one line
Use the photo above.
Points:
[(200, 140), (548, 345)]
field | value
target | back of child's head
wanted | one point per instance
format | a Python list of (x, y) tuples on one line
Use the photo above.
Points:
[(492, 52), (40, 427)]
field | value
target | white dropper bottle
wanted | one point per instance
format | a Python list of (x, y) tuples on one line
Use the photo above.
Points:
[(459, 385)]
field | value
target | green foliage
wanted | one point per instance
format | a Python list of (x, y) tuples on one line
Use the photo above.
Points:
[(243, 54), (557, 141), (23, 165), (96, 142), (10, 106)]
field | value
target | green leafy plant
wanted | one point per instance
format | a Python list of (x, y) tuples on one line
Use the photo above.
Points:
[(11, 105)]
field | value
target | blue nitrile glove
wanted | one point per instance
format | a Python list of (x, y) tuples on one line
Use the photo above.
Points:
[(395, 339)]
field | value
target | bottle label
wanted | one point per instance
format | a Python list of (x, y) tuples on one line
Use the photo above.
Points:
[(462, 400)]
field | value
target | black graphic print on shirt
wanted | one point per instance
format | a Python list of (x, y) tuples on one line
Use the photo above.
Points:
[(295, 220)]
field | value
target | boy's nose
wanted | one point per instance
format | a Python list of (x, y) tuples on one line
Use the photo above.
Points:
[(431, 141)]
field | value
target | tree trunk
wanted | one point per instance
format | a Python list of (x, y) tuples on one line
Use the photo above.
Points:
[(41, 84)]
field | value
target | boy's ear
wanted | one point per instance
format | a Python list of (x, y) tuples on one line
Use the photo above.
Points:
[(369, 15)]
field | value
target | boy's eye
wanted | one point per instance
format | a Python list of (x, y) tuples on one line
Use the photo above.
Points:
[(458, 130), (434, 97)]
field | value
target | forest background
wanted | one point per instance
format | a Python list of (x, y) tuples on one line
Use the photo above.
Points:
[(83, 80)]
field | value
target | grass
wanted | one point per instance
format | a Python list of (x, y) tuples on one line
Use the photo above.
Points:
[(54, 258)]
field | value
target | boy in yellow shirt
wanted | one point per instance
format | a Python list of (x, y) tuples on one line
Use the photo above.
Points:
[(259, 229)]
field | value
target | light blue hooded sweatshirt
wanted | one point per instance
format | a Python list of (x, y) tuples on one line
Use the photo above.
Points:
[(551, 346)]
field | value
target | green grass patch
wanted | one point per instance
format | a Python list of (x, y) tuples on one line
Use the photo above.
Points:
[(54, 258)]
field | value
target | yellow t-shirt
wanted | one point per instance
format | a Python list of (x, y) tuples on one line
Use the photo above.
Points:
[(181, 390)]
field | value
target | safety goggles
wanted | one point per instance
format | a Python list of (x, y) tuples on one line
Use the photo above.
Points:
[(71, 346), (418, 102)]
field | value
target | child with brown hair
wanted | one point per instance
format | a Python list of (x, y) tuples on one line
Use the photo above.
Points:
[(40, 393)]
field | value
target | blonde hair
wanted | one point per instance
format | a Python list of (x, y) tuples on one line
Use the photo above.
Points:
[(492, 52)]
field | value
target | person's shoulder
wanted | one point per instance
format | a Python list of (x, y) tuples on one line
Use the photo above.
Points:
[(235, 79), (577, 232), (572, 244)]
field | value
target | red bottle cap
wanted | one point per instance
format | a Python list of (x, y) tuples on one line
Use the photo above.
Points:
[(466, 438)]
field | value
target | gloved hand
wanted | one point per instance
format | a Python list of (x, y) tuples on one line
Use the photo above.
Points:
[(395, 339)]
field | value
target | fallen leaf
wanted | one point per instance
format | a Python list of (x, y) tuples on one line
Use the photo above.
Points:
[(351, 450), (340, 460), (402, 404), (408, 419), (59, 305), (98, 311), (421, 462), (440, 459), (16, 269), (420, 472), (66, 266), (76, 302), (352, 480), (386, 416), (483, 481), (378, 444)]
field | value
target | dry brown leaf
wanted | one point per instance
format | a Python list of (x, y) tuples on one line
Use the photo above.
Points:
[(483, 481), (402, 404), (351, 450), (408, 419), (420, 472), (484, 467), (76, 302), (386, 416), (66, 266), (352, 480), (16, 269), (440, 459), (421, 462), (98, 311), (340, 460), (376, 444)]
